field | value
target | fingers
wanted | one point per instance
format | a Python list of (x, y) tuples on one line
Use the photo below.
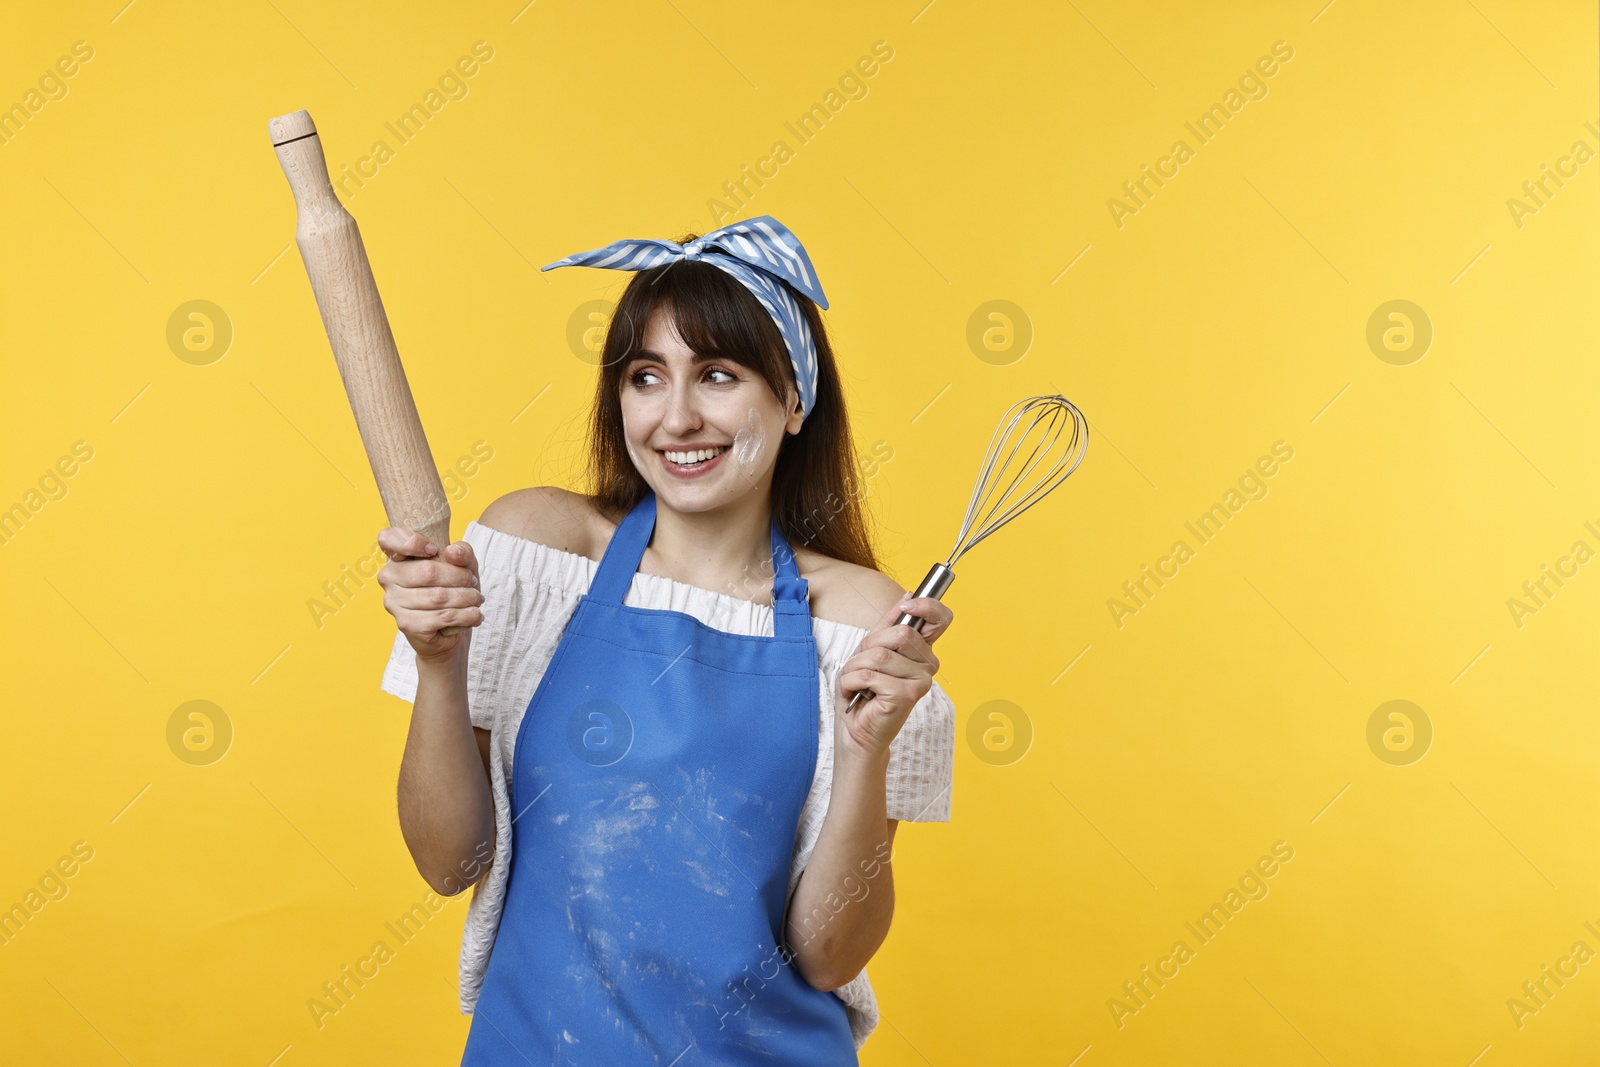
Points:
[(429, 606), (888, 689), (401, 543), (896, 662), (428, 589), (854, 679), (936, 616), (903, 642), (427, 622), (890, 663), (462, 555), (457, 566), (890, 672), (433, 597)]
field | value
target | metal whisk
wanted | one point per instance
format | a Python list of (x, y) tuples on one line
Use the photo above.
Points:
[(1035, 428)]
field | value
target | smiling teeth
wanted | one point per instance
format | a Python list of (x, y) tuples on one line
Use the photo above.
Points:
[(686, 458)]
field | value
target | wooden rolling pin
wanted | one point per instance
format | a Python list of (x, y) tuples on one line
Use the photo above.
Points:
[(363, 345)]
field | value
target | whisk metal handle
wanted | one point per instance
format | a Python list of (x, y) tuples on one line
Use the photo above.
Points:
[(934, 585)]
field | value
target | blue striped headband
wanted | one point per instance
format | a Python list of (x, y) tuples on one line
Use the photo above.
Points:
[(763, 255)]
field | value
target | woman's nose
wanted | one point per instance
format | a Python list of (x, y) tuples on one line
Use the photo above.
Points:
[(682, 413)]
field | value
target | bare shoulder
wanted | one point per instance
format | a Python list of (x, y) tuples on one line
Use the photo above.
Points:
[(549, 515), (846, 592)]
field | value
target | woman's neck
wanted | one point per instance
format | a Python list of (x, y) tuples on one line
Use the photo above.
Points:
[(728, 550)]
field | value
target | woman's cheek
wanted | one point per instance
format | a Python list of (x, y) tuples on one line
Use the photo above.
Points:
[(750, 439)]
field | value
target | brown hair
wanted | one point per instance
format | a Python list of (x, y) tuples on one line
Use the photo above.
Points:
[(816, 488)]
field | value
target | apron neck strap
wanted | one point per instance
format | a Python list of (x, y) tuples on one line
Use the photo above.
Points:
[(791, 614)]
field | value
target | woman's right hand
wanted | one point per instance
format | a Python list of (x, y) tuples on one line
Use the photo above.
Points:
[(426, 592)]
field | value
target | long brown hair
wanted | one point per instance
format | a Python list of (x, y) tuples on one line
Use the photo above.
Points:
[(816, 488)]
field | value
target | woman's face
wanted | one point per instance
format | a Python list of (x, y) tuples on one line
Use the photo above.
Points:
[(675, 408)]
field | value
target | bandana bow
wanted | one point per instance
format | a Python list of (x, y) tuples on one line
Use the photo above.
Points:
[(762, 254)]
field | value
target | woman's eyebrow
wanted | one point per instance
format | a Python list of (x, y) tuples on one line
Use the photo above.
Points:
[(647, 355)]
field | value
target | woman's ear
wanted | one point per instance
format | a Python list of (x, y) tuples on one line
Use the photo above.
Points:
[(796, 415)]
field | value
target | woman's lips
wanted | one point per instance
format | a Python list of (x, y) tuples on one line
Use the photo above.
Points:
[(694, 470)]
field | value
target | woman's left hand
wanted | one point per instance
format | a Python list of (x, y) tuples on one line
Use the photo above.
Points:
[(898, 665)]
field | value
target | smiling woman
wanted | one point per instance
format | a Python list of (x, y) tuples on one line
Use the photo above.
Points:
[(692, 790)]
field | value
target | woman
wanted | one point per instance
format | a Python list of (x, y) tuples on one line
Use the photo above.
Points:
[(681, 839)]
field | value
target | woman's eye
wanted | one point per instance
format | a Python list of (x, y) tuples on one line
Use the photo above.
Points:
[(641, 379)]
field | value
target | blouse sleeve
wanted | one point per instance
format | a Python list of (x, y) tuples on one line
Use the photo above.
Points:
[(486, 655), (922, 761)]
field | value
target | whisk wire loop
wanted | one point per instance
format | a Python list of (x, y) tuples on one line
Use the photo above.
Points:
[(1045, 439), (1042, 431)]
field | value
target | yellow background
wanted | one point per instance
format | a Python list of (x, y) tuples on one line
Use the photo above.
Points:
[(1231, 312)]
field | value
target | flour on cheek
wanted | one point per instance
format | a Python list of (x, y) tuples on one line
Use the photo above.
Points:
[(749, 440)]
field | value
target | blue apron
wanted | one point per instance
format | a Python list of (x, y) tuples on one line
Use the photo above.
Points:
[(656, 790)]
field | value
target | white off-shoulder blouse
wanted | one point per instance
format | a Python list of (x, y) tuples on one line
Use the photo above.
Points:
[(530, 591)]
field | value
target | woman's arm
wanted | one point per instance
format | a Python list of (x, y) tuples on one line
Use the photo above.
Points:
[(843, 904), (446, 806)]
